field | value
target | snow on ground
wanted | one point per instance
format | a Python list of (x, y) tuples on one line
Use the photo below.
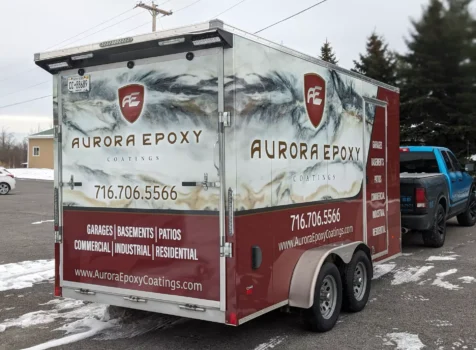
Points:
[(41, 222), (24, 274), (87, 328), (444, 284), (34, 174), (66, 309), (404, 341), (467, 279), (273, 342), (410, 274), (442, 258), (383, 269)]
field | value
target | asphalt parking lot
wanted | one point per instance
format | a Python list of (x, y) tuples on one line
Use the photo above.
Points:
[(422, 300)]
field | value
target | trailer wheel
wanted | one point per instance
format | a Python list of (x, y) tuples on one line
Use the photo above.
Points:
[(357, 282), (435, 237), (323, 314)]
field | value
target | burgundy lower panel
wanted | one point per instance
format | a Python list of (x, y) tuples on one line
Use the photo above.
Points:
[(192, 272), (282, 247)]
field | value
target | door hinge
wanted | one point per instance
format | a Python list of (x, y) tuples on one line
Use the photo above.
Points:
[(192, 307), (71, 183), (135, 299), (59, 235), (226, 250), (58, 134), (225, 118), (85, 291)]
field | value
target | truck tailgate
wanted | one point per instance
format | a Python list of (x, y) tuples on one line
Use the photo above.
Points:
[(408, 183)]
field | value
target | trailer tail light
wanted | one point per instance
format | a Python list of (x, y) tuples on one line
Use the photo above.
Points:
[(420, 198), (232, 319), (58, 289)]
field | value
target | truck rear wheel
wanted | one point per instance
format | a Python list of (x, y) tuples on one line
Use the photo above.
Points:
[(435, 237), (323, 314), (468, 218), (357, 282)]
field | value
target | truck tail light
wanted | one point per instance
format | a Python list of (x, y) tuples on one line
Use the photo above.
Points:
[(11, 175), (420, 198), (404, 149)]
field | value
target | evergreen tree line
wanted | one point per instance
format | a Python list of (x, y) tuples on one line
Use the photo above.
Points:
[(436, 76)]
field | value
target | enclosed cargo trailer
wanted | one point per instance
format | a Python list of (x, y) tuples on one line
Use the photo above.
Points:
[(205, 172)]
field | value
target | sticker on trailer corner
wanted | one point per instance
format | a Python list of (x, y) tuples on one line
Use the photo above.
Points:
[(79, 84)]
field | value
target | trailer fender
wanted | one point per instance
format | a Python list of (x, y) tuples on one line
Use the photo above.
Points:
[(303, 281)]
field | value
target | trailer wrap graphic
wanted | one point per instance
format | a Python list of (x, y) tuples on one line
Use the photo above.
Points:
[(296, 144)]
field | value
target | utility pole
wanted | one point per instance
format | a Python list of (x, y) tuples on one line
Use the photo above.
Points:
[(154, 11)]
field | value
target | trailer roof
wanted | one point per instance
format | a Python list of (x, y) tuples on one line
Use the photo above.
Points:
[(148, 41)]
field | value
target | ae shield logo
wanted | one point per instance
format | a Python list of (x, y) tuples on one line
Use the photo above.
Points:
[(131, 101), (315, 96)]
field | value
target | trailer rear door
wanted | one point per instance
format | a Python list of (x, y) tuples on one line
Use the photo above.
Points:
[(131, 139)]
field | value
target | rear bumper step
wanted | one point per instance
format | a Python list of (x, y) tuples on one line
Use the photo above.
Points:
[(199, 312)]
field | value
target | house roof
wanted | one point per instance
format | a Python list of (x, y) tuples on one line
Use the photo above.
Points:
[(43, 134)]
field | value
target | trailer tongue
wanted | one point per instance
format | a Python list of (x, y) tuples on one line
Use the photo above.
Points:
[(206, 173)]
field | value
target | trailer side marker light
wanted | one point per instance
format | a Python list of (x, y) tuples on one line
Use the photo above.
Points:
[(171, 41), (206, 41), (82, 57), (58, 65), (249, 290)]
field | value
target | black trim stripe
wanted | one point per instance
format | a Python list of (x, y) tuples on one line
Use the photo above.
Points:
[(143, 211)]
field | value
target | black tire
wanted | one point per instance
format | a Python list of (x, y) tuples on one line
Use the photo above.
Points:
[(6, 186), (435, 237), (314, 319), (468, 218), (356, 293)]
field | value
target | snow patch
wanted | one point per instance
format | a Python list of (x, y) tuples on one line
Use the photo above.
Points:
[(41, 222), (271, 343), (442, 258), (383, 269), (444, 284), (79, 330), (415, 297), (33, 174), (405, 341), (78, 310), (407, 254), (410, 274), (440, 323), (467, 279), (25, 274)]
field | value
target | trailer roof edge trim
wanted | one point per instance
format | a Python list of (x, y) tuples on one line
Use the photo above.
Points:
[(194, 29)]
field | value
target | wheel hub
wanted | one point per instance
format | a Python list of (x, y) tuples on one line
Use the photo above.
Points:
[(359, 281), (328, 297)]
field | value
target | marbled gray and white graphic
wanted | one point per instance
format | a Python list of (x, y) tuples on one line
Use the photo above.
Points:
[(266, 96), (264, 91), (181, 102)]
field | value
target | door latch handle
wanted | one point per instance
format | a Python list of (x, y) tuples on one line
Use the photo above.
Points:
[(72, 184), (205, 184)]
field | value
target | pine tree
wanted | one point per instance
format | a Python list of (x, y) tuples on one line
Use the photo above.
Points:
[(378, 62), (327, 53), (437, 76)]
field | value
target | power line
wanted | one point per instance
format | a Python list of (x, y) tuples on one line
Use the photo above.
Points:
[(296, 14), (87, 30), (23, 102), (112, 25), (228, 9), (147, 23), (29, 87)]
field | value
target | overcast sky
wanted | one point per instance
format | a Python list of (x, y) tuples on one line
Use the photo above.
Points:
[(33, 26)]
